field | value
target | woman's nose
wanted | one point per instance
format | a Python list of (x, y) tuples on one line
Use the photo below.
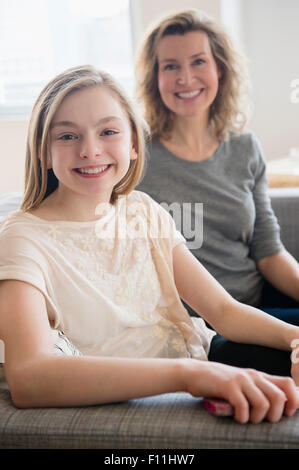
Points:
[(185, 76), (90, 148)]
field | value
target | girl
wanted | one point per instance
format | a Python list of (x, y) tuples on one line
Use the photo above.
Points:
[(89, 256)]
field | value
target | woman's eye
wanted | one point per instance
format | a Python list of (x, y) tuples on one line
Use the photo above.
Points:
[(198, 62), (170, 67)]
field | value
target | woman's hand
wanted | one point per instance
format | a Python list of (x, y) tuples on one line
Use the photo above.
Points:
[(254, 395)]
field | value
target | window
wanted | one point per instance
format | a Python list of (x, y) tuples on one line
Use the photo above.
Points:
[(40, 38)]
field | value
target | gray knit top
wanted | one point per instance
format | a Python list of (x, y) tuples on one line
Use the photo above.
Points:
[(225, 212)]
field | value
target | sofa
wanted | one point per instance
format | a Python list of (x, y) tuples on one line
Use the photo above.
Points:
[(169, 421)]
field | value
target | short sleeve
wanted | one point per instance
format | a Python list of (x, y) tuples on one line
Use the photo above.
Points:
[(161, 226), (21, 259)]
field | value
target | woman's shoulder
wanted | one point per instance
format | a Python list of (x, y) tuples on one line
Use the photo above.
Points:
[(246, 139), (244, 145)]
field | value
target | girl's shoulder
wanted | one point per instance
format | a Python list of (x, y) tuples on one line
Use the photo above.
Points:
[(142, 198), (23, 225)]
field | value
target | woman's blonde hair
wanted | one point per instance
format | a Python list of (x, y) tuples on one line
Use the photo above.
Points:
[(40, 181), (230, 109)]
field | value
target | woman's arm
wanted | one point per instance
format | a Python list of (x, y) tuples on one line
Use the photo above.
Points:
[(282, 271), (235, 321)]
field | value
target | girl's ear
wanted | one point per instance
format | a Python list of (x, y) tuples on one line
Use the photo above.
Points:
[(134, 153), (49, 163)]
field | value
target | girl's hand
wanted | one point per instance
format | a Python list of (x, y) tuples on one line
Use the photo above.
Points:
[(254, 395)]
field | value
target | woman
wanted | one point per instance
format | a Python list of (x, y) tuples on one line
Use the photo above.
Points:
[(193, 85)]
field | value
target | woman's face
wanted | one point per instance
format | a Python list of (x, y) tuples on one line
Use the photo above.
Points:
[(188, 75)]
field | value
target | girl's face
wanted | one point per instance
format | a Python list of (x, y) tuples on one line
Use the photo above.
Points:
[(90, 143), (188, 75)]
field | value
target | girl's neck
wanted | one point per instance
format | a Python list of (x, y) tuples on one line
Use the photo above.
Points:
[(192, 139), (69, 208)]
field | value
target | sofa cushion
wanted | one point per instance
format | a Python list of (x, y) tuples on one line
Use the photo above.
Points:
[(169, 421), (9, 202)]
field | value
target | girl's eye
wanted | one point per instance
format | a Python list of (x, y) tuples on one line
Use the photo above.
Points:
[(109, 132), (67, 137)]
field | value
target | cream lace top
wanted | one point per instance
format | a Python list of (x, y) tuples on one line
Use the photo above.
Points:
[(109, 283)]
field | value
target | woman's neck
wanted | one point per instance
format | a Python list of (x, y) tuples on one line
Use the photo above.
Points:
[(192, 139)]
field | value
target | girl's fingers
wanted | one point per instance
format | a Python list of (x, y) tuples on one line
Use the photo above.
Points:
[(259, 402), (241, 407), (276, 398), (260, 396), (287, 385)]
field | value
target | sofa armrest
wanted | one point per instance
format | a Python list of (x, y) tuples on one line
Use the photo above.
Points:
[(285, 203)]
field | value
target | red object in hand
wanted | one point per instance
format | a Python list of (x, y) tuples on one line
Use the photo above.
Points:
[(218, 407)]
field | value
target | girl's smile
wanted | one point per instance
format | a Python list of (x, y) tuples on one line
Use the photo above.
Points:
[(92, 171)]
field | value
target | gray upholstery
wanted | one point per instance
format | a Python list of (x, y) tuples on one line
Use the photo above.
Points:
[(170, 421)]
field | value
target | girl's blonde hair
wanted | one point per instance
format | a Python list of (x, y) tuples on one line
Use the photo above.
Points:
[(230, 109), (40, 181)]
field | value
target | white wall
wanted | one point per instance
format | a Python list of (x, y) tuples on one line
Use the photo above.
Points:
[(12, 157), (270, 31), (145, 12)]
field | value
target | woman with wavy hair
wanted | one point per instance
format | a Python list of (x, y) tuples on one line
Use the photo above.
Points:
[(193, 85)]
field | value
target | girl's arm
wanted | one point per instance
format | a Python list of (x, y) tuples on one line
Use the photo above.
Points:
[(36, 377), (282, 271), (233, 320)]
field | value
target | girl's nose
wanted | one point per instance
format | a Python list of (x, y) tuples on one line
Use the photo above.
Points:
[(90, 148)]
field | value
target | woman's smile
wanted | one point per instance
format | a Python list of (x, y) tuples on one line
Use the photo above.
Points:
[(189, 95)]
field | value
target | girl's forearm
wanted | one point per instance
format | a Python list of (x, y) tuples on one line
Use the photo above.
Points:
[(80, 381)]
